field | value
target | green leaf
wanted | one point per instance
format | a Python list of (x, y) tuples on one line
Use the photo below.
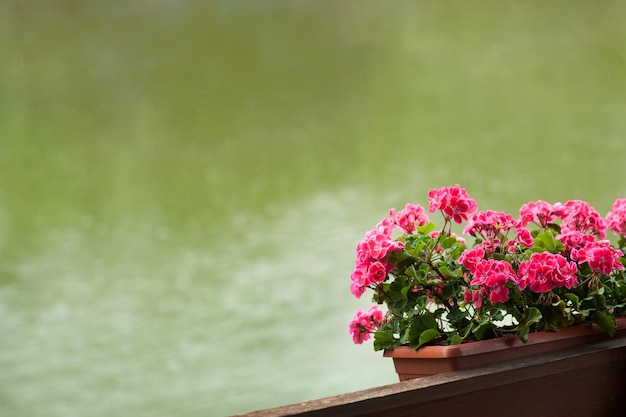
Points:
[(498, 315), (415, 251), (426, 228), (385, 340), (451, 273), (427, 335), (396, 296), (522, 333), (450, 290), (546, 241), (574, 299), (456, 251), (457, 315), (600, 299), (421, 324), (411, 272), (584, 269), (448, 242), (422, 302), (455, 339), (424, 269), (404, 338), (557, 316), (499, 256), (563, 309), (555, 228), (446, 271), (398, 306), (530, 316), (483, 330), (405, 291), (606, 322)]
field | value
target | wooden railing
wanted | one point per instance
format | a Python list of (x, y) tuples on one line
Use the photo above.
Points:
[(584, 381)]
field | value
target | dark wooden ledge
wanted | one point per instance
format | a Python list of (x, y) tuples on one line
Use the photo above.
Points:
[(584, 381)]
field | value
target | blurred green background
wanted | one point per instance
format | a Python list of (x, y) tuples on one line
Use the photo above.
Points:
[(183, 183)]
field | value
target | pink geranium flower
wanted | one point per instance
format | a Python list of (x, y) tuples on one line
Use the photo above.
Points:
[(387, 225), (377, 272), (370, 266), (616, 218), (539, 212), (496, 283), (473, 296), (408, 218), (493, 227), (357, 290), (377, 245), (489, 224), (545, 271), (573, 240), (600, 256), (492, 276), (454, 202), (581, 216), (523, 237), (472, 257), (364, 324)]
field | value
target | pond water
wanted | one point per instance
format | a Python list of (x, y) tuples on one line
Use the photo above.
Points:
[(182, 184)]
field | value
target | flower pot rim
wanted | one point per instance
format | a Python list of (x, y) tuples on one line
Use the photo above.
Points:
[(507, 342)]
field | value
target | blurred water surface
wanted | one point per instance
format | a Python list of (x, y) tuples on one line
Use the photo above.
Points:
[(183, 183)]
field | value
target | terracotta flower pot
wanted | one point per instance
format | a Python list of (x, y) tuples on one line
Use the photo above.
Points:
[(431, 360)]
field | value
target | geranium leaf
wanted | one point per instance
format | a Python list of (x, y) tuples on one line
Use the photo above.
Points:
[(546, 241), (529, 317), (385, 340), (446, 271), (420, 325), (426, 228), (415, 252), (482, 330), (448, 242), (605, 321), (455, 339), (411, 272), (427, 336), (574, 299), (422, 301)]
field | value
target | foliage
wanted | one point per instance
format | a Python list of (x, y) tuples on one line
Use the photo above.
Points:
[(548, 269)]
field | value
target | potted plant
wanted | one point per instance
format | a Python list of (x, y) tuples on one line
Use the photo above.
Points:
[(548, 275)]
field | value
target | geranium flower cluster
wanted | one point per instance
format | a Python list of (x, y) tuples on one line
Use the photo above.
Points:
[(549, 268), (371, 266), (364, 324), (546, 271), (616, 219), (454, 203)]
